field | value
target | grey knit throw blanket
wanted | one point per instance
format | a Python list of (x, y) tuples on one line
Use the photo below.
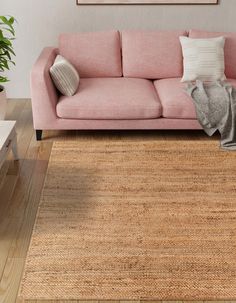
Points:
[(215, 105)]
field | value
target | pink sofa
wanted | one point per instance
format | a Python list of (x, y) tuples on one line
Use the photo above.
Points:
[(129, 80)]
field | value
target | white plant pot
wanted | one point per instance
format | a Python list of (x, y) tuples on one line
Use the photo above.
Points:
[(3, 103)]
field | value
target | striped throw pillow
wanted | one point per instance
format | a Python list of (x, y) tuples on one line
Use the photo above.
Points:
[(64, 76), (203, 59)]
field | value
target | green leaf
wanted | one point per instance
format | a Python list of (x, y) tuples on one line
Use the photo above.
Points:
[(10, 31), (7, 22), (4, 19), (7, 35), (11, 20), (7, 54), (6, 47), (3, 79), (6, 41)]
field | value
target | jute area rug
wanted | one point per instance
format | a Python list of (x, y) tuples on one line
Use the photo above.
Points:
[(123, 220)]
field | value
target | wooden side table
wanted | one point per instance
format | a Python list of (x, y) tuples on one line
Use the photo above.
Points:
[(8, 140)]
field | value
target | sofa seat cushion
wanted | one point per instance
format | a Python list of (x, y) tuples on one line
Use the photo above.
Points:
[(176, 103), (111, 98)]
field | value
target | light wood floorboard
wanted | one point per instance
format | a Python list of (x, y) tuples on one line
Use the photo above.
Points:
[(21, 183)]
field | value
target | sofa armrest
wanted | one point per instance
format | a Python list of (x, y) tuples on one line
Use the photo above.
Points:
[(43, 92)]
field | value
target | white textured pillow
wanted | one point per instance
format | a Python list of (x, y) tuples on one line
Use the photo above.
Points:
[(203, 59), (64, 76)]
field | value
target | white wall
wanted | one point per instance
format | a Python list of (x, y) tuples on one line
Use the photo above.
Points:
[(40, 22)]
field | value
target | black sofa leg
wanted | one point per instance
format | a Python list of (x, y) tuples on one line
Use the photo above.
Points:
[(39, 133)]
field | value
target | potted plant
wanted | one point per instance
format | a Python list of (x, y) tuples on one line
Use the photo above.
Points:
[(7, 34)]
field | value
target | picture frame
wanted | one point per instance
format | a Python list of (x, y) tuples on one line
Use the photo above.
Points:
[(129, 2)]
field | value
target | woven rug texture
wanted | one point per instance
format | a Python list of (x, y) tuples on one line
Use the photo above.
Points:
[(135, 220)]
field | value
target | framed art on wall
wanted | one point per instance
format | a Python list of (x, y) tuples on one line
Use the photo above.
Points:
[(147, 1)]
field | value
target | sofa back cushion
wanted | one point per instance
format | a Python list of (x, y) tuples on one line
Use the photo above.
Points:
[(95, 54), (152, 54), (230, 48)]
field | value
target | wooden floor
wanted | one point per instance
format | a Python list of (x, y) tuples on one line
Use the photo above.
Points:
[(21, 183)]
